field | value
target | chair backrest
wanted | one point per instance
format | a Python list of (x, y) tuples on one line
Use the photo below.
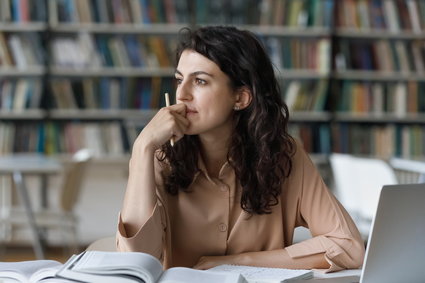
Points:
[(73, 178), (408, 171), (358, 182)]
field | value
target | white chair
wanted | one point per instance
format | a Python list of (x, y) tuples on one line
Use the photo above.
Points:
[(60, 217), (408, 171), (358, 182)]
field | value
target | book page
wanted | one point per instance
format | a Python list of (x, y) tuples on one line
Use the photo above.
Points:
[(45, 273), (137, 264), (189, 275), (264, 274), (23, 270)]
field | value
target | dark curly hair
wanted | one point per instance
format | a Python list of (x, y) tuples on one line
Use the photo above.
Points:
[(261, 148)]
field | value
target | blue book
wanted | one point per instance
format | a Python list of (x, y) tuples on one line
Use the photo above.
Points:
[(123, 93), (133, 50), (104, 94), (102, 43), (16, 13), (378, 20), (146, 94), (40, 138), (328, 12), (145, 11)]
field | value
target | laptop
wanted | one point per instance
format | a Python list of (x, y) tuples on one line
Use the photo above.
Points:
[(396, 247)]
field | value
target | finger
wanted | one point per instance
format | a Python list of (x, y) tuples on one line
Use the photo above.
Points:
[(178, 132), (178, 108), (182, 120)]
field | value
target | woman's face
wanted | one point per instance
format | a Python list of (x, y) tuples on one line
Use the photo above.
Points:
[(207, 93)]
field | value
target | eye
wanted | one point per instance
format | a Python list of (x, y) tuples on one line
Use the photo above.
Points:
[(199, 81), (178, 81)]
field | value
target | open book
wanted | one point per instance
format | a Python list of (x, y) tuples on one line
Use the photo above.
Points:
[(29, 271), (114, 267), (265, 275)]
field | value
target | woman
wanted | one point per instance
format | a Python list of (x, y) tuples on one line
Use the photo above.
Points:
[(235, 185)]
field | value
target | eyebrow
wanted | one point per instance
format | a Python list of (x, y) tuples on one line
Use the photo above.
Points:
[(194, 73)]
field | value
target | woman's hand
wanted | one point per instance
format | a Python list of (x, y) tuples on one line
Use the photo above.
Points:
[(207, 262), (169, 122)]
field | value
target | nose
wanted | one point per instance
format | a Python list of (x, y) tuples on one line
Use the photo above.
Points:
[(184, 92)]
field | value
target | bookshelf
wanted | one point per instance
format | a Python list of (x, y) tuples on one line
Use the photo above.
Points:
[(379, 78), (351, 71)]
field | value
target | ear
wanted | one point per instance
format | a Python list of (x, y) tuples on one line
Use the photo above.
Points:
[(243, 98)]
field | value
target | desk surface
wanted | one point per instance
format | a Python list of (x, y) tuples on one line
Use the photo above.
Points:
[(29, 163), (344, 276)]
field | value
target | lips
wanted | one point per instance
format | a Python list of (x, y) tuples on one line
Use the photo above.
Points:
[(191, 111)]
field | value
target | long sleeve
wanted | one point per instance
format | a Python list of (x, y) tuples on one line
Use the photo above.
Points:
[(151, 237), (334, 233), (148, 239)]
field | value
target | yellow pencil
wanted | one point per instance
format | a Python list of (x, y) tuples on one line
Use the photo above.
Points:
[(167, 103)]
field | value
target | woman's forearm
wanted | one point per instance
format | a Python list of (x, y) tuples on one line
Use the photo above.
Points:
[(140, 196), (276, 258), (281, 259)]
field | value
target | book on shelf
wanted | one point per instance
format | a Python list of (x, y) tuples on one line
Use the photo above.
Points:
[(119, 11), (315, 137), (391, 15), (29, 271), (20, 94), (98, 266), (307, 95), (5, 55), (22, 11), (398, 98)]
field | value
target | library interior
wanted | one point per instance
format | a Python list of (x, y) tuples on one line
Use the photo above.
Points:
[(79, 79)]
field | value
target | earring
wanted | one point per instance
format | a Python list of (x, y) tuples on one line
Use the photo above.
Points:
[(236, 107)]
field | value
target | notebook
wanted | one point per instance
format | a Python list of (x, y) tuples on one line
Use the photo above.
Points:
[(396, 247)]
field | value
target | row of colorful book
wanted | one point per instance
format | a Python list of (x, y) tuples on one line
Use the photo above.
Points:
[(21, 50), (23, 11), (380, 140), (299, 13), (110, 93), (381, 55), (399, 98), (102, 138), (391, 15), (85, 50)]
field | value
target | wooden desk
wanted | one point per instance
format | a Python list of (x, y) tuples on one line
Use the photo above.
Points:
[(18, 166)]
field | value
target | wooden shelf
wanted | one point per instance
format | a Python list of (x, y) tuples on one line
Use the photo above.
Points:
[(377, 34), (380, 118), (18, 72), (102, 114), (377, 76), (291, 74), (25, 114), (163, 29), (310, 116), (288, 31), (112, 72), (23, 27)]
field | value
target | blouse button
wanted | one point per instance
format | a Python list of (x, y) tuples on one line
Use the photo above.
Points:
[(222, 227), (224, 188)]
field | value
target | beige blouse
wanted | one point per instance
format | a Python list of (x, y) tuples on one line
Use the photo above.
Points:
[(209, 221)]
